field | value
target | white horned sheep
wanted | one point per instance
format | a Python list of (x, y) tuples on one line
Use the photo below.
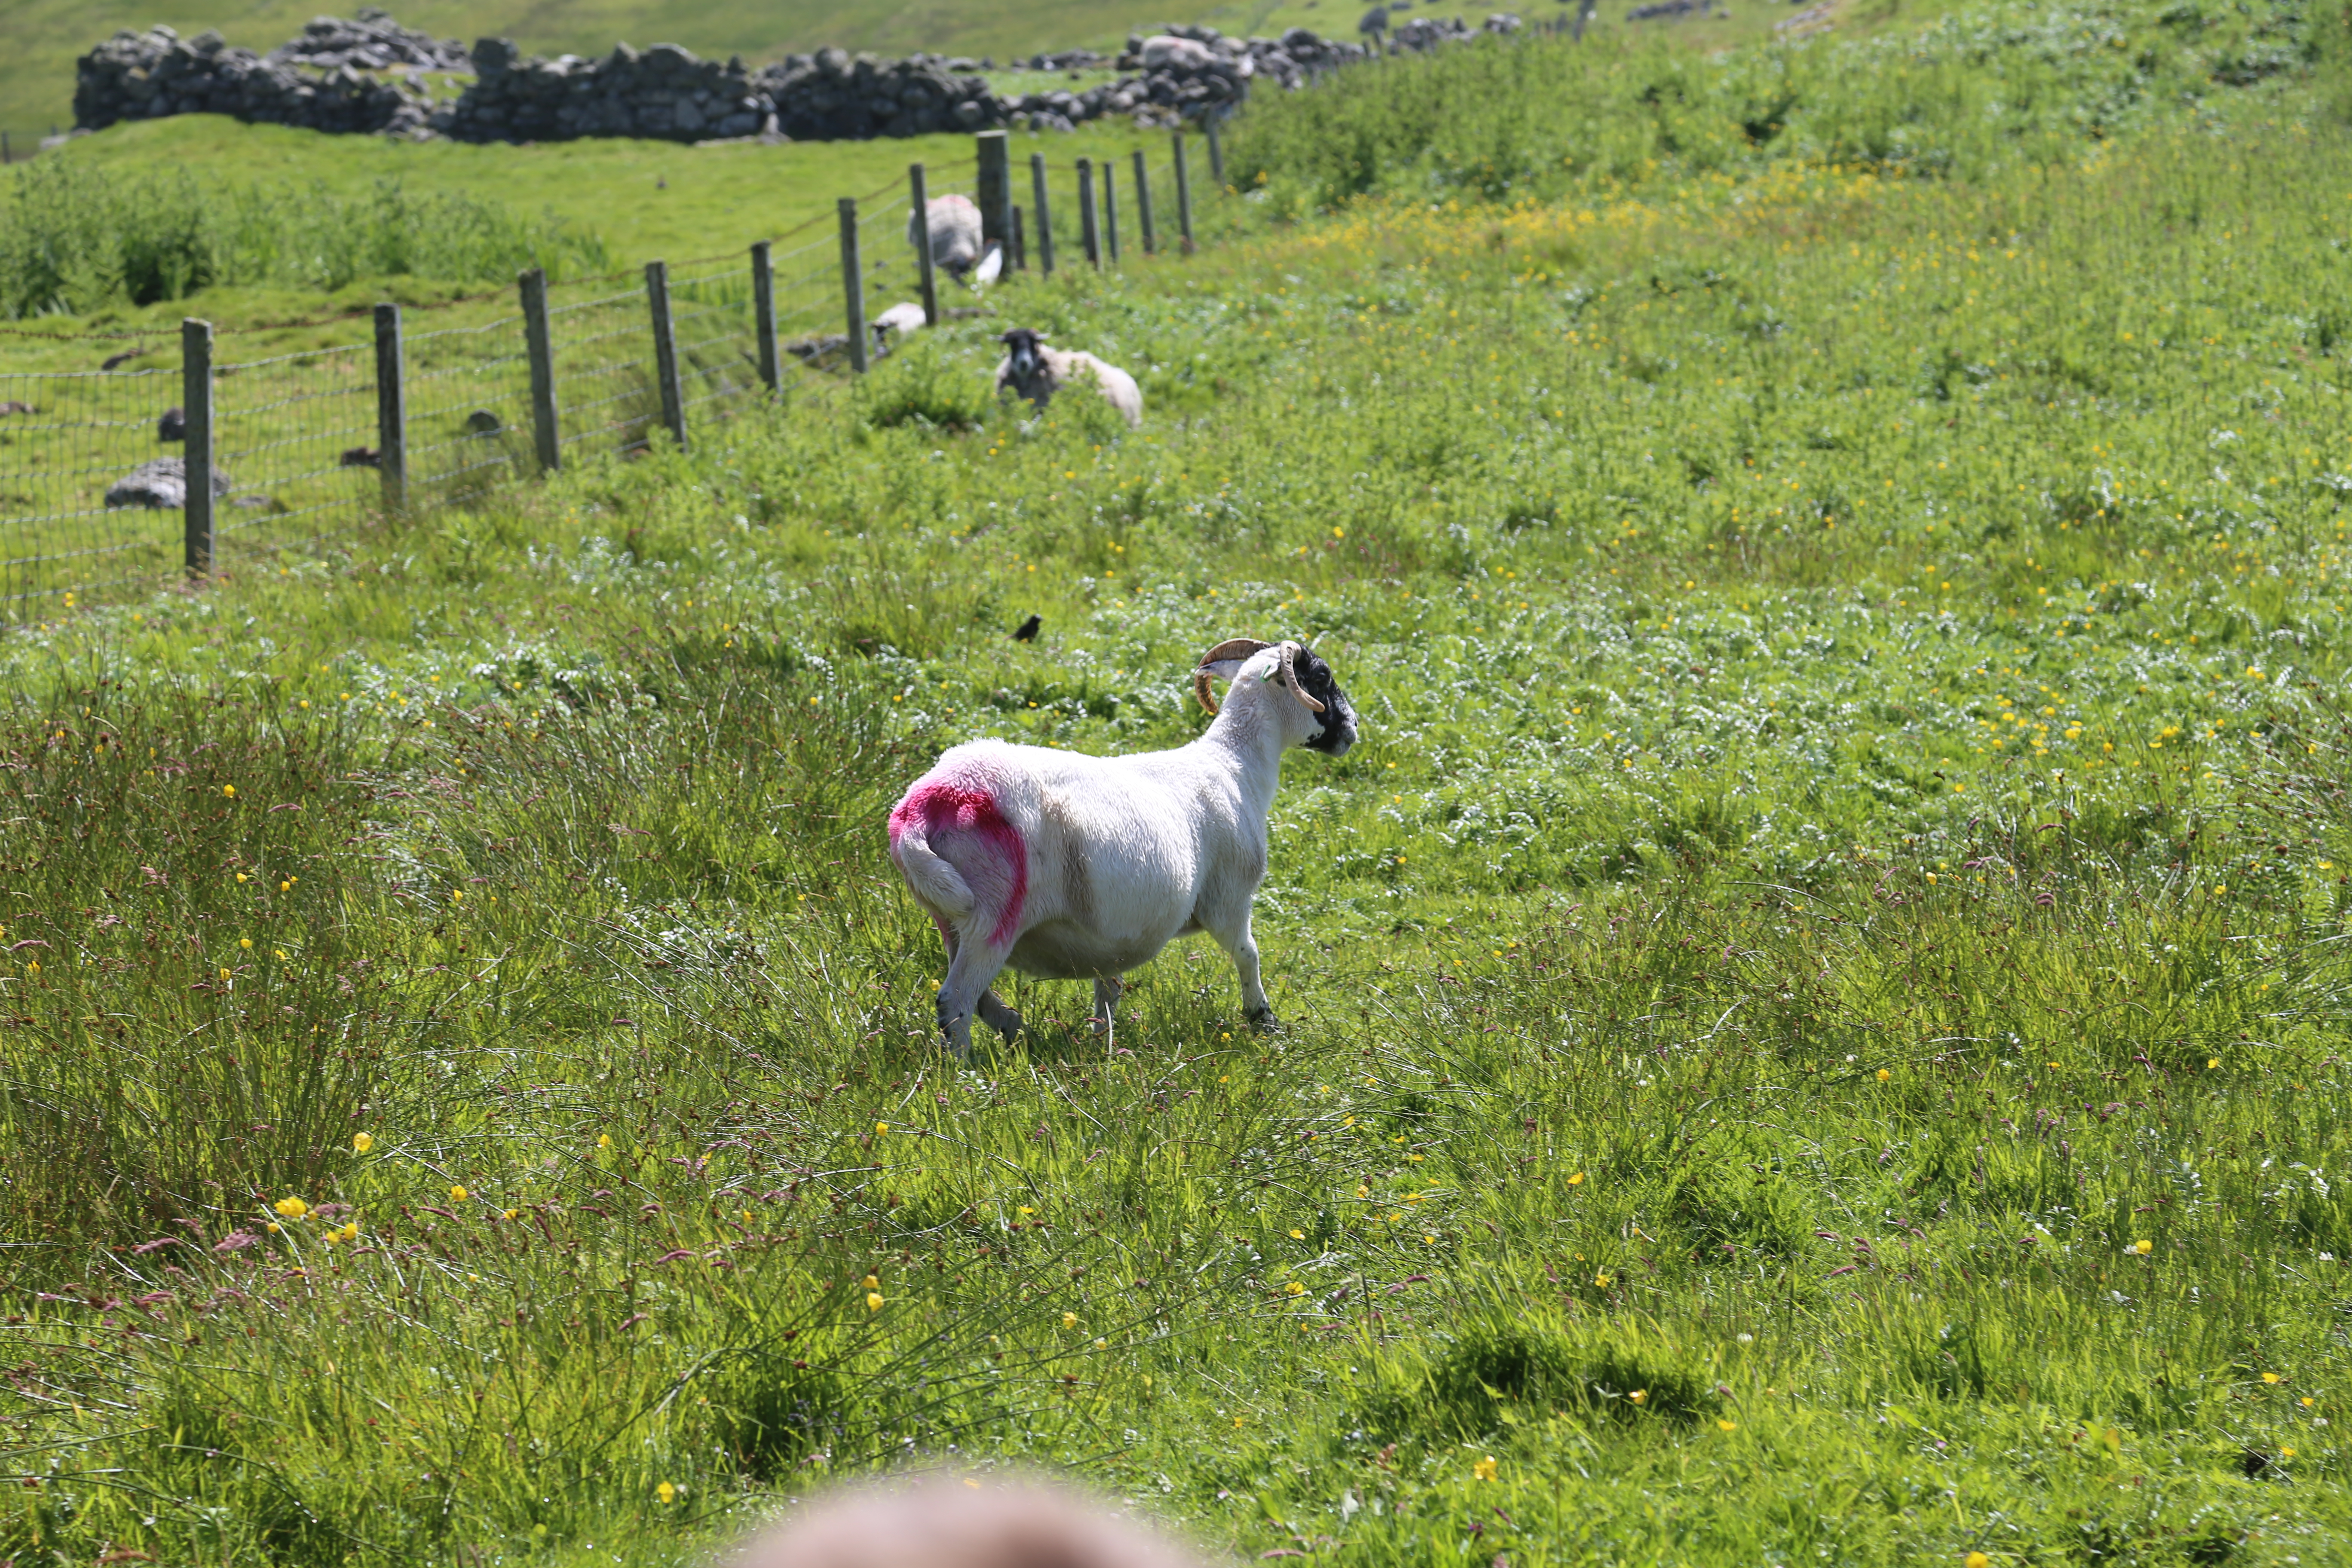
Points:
[(955, 236), (1035, 371), (1076, 868)]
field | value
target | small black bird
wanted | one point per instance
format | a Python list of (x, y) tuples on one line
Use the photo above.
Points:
[(172, 427), (1027, 630)]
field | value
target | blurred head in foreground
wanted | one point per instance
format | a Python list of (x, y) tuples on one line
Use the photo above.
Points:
[(951, 1522)]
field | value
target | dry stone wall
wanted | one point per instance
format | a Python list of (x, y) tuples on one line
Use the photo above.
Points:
[(370, 74)]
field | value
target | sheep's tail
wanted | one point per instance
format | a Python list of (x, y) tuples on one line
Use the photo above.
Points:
[(989, 845), (936, 882)]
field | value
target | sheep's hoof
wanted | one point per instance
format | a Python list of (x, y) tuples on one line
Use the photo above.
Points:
[(1264, 1023)]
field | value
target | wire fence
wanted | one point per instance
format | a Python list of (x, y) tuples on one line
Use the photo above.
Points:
[(306, 447)]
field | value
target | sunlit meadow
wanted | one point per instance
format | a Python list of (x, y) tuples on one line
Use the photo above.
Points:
[(1815, 1013)]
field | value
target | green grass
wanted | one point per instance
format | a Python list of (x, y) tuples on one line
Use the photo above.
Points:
[(1849, 842)]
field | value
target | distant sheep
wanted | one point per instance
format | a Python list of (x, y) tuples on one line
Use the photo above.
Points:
[(1076, 868), (1036, 371), (956, 242)]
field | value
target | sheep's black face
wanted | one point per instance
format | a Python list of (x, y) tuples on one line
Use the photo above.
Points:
[(1337, 719), (1020, 350)]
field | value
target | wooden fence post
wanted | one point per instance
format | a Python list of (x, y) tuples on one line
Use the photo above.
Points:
[(197, 465), (391, 412), (539, 346), (1110, 209), (1183, 195), (1216, 154), (673, 397), (1017, 259), (995, 187), (1143, 206), (1044, 214), (1089, 236), (918, 192), (853, 286), (764, 316)]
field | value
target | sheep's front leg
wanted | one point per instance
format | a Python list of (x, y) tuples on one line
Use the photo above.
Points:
[(1107, 991), (1242, 947)]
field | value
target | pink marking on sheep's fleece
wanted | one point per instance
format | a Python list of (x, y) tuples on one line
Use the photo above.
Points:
[(973, 811)]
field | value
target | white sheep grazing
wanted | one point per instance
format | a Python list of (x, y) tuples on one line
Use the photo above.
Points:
[(1036, 371), (1076, 868), (955, 232)]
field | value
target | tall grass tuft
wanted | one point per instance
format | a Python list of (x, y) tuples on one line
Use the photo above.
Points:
[(75, 238)]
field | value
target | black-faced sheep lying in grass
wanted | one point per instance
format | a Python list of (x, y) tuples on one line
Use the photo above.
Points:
[(1036, 371)]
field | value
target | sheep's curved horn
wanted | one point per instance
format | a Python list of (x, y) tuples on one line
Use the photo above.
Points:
[(1290, 678), (1232, 647)]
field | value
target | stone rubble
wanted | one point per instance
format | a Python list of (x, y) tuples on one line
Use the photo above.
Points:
[(160, 483), (371, 40)]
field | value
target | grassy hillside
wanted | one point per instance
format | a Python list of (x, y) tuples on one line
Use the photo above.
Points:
[(1815, 1012)]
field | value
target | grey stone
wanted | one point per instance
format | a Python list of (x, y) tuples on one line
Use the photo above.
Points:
[(160, 483)]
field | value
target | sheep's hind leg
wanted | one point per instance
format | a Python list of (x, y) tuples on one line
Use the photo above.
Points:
[(998, 1016), (1107, 991), (991, 1010), (973, 967)]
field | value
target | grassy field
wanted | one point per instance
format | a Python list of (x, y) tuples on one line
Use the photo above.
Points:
[(1815, 1012)]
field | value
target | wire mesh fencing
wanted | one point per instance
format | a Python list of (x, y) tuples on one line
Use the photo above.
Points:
[(309, 445), (467, 410), (294, 454), (88, 465), (604, 365)]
